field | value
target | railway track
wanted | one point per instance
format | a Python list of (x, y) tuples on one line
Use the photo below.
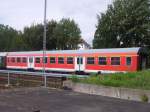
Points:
[(30, 79)]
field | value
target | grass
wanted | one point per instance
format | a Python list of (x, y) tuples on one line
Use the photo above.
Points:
[(137, 80)]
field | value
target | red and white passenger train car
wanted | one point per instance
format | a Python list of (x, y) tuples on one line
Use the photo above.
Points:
[(93, 60)]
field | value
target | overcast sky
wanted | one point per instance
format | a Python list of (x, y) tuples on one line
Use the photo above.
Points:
[(20, 13)]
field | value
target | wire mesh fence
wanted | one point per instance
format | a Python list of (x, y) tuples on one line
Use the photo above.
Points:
[(29, 79)]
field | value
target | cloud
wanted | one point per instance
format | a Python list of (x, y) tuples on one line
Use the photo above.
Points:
[(21, 13)]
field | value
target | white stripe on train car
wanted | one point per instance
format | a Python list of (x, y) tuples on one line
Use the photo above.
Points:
[(40, 68), (69, 70), (56, 69), (17, 56), (104, 71), (16, 67)]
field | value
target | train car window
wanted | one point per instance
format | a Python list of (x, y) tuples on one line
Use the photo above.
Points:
[(128, 61), (90, 60), (52, 60), (79, 60), (37, 60), (18, 60), (24, 60), (45, 60), (13, 60), (102, 61), (31, 60), (69, 60), (61, 60), (115, 60)]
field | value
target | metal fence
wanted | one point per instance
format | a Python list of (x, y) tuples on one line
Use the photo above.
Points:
[(25, 78)]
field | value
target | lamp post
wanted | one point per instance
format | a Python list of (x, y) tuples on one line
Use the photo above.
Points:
[(44, 43)]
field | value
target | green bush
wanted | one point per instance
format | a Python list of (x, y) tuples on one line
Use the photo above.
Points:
[(93, 74), (144, 98), (74, 78), (139, 80)]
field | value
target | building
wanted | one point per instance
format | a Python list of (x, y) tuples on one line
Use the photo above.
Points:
[(84, 45)]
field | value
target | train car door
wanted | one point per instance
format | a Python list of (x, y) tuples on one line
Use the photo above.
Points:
[(30, 62), (80, 63)]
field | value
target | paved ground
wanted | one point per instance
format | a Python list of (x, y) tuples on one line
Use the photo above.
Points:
[(30, 100)]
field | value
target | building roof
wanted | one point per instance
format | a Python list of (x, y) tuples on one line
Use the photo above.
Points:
[(85, 43)]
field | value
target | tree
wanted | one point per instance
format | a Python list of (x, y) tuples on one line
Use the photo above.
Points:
[(9, 39), (126, 23), (62, 35), (51, 39), (67, 34), (19, 44), (33, 37)]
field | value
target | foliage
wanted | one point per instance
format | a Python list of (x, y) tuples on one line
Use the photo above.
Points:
[(51, 39), (144, 98), (137, 80), (10, 39), (33, 36), (67, 34), (60, 35), (125, 24), (74, 78)]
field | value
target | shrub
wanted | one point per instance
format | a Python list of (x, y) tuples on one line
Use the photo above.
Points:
[(93, 74), (144, 98), (74, 78), (138, 80)]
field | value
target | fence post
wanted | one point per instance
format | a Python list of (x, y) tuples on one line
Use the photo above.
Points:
[(45, 80), (8, 79)]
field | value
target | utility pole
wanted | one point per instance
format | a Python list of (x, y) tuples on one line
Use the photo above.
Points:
[(44, 44)]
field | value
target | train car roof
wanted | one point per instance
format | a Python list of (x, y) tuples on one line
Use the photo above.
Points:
[(89, 51), (3, 53)]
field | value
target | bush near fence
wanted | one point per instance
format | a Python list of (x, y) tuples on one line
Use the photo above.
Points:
[(137, 80)]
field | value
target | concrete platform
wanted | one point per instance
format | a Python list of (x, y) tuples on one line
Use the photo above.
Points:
[(54, 100)]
